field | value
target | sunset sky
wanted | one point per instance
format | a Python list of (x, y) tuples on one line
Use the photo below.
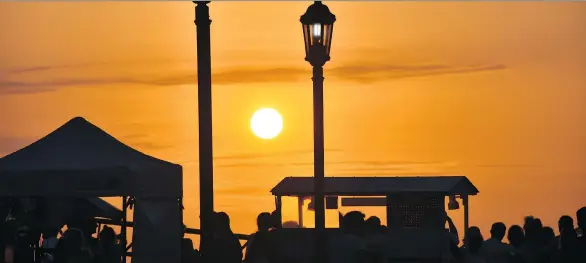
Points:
[(494, 91)]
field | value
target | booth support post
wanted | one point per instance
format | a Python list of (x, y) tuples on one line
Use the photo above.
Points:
[(279, 209), (466, 214), (123, 227), (300, 211)]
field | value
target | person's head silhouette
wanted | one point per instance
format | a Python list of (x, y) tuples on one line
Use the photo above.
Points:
[(473, 239), (373, 224), (498, 230), (353, 222), (565, 222), (222, 222), (264, 221), (516, 236), (533, 230), (107, 235), (528, 220), (581, 218), (538, 223)]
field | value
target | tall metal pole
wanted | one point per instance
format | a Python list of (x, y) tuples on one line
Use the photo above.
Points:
[(204, 103), (318, 162)]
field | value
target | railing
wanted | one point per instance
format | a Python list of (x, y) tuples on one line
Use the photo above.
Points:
[(194, 231)]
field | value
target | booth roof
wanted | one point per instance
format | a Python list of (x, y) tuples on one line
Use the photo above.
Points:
[(81, 159), (377, 186)]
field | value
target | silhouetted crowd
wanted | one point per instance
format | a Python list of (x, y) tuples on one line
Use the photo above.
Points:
[(361, 241), (531, 243), (74, 245), (27, 236)]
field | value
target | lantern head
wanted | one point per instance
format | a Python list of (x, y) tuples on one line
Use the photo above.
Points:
[(318, 27)]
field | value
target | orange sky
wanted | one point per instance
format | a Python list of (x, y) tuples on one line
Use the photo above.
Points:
[(494, 91)]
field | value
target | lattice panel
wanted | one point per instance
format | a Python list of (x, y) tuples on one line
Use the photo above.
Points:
[(416, 211)]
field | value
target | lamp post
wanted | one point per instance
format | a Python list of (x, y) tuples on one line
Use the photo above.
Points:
[(318, 25), (204, 103)]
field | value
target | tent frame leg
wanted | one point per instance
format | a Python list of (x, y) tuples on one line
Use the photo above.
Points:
[(123, 225), (389, 211), (466, 214), (181, 208)]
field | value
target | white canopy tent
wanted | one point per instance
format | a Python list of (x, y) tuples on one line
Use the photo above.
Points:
[(81, 160)]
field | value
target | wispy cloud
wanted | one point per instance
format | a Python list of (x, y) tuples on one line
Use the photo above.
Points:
[(376, 73), (21, 87), (386, 173), (497, 166), (348, 166), (250, 156), (367, 73), (30, 69)]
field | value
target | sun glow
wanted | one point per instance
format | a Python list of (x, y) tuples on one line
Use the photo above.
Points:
[(266, 123)]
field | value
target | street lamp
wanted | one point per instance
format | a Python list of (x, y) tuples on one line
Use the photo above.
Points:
[(318, 27)]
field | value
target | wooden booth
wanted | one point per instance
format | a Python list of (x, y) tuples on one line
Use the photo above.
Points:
[(415, 209)]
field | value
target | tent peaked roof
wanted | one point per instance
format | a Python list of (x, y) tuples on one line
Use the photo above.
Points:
[(80, 159), (78, 145), (377, 186)]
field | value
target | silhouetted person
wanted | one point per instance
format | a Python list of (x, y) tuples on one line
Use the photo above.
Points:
[(188, 253), (4, 211), (373, 226), (547, 241), (87, 226), (108, 250), (538, 222), (374, 235), (276, 219), (23, 252), (565, 245), (49, 244), (526, 221), (452, 236), (494, 250), (547, 235), (565, 225), (532, 249), (452, 230), (581, 221), (471, 251), (226, 247), (70, 248), (581, 236), (565, 222), (349, 247), (50, 238), (516, 236), (259, 247), (9, 249)]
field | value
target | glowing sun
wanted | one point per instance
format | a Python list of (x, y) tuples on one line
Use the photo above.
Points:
[(266, 123)]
